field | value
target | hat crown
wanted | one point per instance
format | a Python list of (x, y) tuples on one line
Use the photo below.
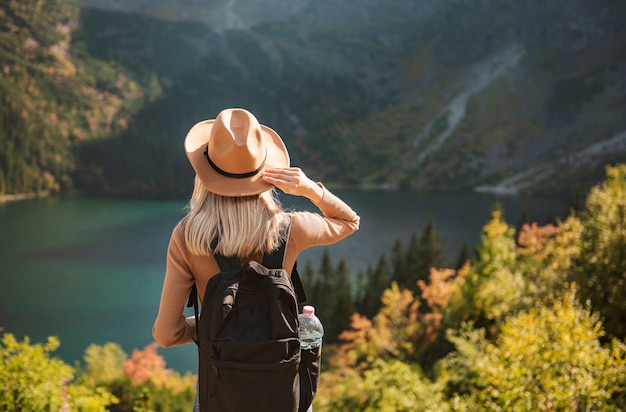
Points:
[(236, 144), (229, 153)]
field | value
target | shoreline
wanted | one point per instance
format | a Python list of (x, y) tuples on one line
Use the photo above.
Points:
[(22, 196)]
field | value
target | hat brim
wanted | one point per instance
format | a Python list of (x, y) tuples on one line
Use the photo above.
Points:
[(196, 143)]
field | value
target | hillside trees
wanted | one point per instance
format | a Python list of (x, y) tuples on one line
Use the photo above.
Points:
[(545, 358), (509, 331), (53, 94), (601, 266)]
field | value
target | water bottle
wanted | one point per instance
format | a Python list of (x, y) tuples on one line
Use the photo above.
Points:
[(311, 329)]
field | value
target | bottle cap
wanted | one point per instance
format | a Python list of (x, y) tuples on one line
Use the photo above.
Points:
[(308, 311)]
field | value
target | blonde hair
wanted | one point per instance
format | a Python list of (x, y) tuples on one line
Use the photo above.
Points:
[(244, 226)]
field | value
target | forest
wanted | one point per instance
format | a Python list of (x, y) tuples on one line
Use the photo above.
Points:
[(532, 319), (53, 95)]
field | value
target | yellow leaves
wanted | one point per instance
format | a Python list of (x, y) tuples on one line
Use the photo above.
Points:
[(388, 386), (104, 363), (502, 292), (399, 330), (398, 304), (600, 267), (565, 247), (397, 323), (49, 182), (497, 227), (497, 245), (33, 380), (548, 355)]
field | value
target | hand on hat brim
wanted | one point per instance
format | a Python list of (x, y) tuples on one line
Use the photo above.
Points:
[(293, 181)]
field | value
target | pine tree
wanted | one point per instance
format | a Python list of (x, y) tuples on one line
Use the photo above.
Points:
[(323, 296), (413, 263), (423, 253), (378, 280), (463, 256), (399, 263), (521, 221), (432, 249), (361, 288), (307, 276), (342, 305)]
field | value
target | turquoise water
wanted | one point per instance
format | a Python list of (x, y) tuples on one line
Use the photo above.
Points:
[(88, 271), (91, 270)]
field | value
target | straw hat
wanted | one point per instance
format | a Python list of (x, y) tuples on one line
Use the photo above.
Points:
[(229, 153)]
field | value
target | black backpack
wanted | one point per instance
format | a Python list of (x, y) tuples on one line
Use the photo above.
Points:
[(248, 349)]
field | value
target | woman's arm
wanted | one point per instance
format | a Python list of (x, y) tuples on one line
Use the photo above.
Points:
[(171, 328), (338, 222)]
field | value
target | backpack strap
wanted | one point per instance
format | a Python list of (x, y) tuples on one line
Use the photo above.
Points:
[(227, 263), (275, 259), (193, 301), (297, 284)]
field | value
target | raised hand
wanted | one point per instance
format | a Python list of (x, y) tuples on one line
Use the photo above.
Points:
[(293, 181)]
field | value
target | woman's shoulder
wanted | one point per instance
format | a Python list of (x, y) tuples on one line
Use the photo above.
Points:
[(180, 226), (178, 232), (304, 222), (299, 218)]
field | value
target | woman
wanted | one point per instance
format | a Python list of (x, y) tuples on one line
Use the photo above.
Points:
[(238, 162)]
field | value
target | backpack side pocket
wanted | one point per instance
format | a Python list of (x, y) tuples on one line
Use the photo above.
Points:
[(310, 365)]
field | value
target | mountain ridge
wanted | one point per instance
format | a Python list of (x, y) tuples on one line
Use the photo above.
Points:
[(370, 49), (422, 95)]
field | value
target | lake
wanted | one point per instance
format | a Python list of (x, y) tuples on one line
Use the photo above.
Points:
[(91, 270)]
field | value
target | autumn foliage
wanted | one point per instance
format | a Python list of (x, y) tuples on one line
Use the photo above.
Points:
[(534, 321), (33, 380), (145, 365)]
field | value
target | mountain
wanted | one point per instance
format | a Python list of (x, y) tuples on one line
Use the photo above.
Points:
[(492, 95), (53, 95)]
